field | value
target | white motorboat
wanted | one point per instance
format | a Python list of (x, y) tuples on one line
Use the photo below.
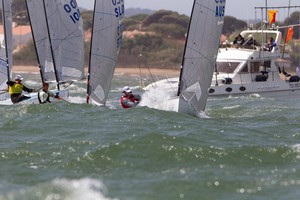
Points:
[(249, 69)]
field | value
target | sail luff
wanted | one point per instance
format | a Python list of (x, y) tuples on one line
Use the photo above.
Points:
[(34, 41), (90, 57), (51, 47), (106, 43), (7, 26), (200, 54), (184, 52), (39, 30)]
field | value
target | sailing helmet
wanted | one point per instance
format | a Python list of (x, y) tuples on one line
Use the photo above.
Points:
[(19, 77), (126, 89)]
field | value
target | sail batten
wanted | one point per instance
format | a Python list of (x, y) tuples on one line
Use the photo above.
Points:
[(105, 45), (200, 54)]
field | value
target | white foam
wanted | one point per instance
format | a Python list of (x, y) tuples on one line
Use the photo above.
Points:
[(159, 99), (86, 188)]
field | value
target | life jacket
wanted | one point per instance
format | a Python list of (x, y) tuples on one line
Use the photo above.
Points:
[(132, 99), (16, 89), (43, 97)]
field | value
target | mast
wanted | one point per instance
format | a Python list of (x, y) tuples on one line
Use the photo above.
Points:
[(181, 69), (266, 9), (51, 47), (89, 68), (35, 48), (5, 38)]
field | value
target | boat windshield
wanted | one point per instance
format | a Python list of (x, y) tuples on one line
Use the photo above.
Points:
[(227, 67)]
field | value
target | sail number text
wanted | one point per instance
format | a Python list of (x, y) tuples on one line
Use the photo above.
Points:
[(73, 10), (220, 8), (119, 7)]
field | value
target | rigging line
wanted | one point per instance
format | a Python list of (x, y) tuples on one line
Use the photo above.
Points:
[(139, 62), (152, 77), (185, 47), (152, 80)]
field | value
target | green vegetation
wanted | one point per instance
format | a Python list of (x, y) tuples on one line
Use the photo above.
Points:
[(160, 39)]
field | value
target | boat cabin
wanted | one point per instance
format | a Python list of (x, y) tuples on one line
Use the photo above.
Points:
[(252, 67)]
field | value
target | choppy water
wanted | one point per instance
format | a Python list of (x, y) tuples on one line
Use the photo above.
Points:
[(247, 148)]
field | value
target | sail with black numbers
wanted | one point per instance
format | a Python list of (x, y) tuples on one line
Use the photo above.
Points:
[(200, 54), (59, 38), (65, 27), (106, 42)]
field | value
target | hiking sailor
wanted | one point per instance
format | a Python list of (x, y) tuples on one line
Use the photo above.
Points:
[(129, 100), (44, 95), (15, 89)]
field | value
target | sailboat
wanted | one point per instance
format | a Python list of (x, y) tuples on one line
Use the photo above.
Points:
[(57, 31), (5, 48), (106, 40), (199, 57)]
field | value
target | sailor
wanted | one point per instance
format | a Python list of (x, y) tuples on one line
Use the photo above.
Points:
[(15, 89), (44, 95), (129, 100), (271, 43), (239, 40), (251, 41)]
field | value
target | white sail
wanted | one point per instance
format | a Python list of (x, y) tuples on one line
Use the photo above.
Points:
[(200, 54), (105, 45), (6, 44), (65, 28), (41, 38)]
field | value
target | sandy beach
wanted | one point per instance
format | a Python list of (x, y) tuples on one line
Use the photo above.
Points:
[(119, 70)]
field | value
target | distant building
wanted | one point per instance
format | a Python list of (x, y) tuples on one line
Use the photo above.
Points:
[(21, 35)]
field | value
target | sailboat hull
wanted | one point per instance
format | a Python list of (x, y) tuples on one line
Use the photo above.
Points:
[(64, 94)]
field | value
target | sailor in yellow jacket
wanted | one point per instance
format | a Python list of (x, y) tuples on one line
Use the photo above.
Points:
[(15, 89)]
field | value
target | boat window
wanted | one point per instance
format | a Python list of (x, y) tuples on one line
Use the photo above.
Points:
[(244, 69), (254, 67), (267, 63), (227, 67)]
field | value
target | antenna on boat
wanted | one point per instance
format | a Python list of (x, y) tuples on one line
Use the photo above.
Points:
[(139, 61)]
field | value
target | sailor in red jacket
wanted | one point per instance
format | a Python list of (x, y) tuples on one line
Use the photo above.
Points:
[(129, 100)]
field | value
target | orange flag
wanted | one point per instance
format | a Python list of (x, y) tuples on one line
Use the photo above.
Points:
[(272, 15), (289, 35)]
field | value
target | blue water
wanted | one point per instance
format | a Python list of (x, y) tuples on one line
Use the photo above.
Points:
[(246, 148)]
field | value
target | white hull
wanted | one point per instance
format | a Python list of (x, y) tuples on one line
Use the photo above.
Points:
[(245, 71), (64, 94)]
